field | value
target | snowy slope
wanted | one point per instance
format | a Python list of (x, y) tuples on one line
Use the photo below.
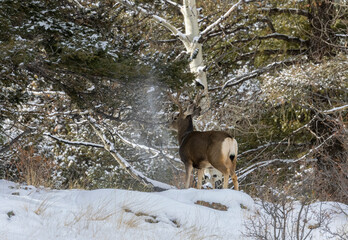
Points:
[(27, 212)]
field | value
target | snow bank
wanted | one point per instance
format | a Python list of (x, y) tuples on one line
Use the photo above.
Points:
[(27, 212)]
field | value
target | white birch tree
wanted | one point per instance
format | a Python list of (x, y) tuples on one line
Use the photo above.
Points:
[(192, 38)]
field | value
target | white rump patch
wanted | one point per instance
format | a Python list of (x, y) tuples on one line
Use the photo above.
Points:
[(229, 147)]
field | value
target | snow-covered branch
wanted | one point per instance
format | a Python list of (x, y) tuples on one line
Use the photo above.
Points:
[(336, 109), (74, 143), (239, 79), (8, 145), (263, 146), (307, 126), (43, 93), (243, 173), (170, 27), (158, 19), (77, 3), (147, 149), (109, 146), (222, 18), (172, 3)]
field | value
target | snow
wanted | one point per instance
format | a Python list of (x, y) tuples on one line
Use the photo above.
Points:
[(44, 24), (27, 212), (91, 88)]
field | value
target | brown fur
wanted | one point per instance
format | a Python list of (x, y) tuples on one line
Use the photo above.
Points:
[(204, 149)]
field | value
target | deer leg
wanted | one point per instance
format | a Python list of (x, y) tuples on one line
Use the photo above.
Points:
[(234, 176), (226, 178), (200, 177), (225, 170), (188, 168), (235, 181), (212, 182)]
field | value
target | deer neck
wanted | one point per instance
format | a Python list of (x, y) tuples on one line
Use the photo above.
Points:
[(185, 130)]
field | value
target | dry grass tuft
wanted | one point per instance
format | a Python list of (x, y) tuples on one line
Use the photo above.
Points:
[(195, 233), (42, 207), (33, 168)]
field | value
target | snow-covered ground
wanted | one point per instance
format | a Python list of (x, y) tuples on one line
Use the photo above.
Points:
[(27, 212)]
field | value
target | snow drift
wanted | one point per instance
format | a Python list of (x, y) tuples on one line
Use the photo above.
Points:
[(27, 212)]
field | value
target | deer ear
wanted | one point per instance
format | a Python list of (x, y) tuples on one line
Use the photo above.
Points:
[(192, 110), (197, 111)]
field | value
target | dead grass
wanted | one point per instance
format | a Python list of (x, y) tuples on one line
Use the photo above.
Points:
[(32, 168), (195, 233), (127, 221), (92, 214), (42, 207)]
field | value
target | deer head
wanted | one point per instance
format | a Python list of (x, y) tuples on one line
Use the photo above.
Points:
[(182, 121)]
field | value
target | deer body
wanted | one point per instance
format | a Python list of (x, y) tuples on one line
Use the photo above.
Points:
[(205, 149)]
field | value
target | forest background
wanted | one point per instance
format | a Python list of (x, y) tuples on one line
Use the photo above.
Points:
[(84, 92)]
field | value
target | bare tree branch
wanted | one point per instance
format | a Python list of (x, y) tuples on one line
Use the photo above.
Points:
[(148, 149), (158, 19), (239, 79), (74, 143), (109, 147), (286, 10), (158, 186), (336, 109), (8, 145), (172, 3), (243, 173), (154, 151), (284, 37), (222, 18)]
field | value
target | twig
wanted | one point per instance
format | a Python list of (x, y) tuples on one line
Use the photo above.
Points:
[(222, 18)]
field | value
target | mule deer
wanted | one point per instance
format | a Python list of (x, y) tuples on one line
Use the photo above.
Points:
[(204, 149)]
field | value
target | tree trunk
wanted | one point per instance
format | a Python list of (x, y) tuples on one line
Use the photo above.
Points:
[(193, 47)]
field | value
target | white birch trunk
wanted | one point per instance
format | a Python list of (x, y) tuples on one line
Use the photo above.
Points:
[(193, 47)]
